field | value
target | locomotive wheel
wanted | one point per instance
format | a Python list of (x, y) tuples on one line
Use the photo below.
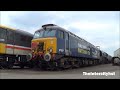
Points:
[(9, 65), (95, 62), (80, 63), (67, 64), (22, 66), (51, 66), (59, 66), (90, 62), (86, 62), (30, 64), (76, 64)]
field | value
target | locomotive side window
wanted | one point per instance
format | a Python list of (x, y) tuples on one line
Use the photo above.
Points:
[(61, 34), (72, 42), (2, 35), (66, 36), (29, 38), (10, 36), (67, 40), (100, 53), (22, 40), (28, 41), (17, 39)]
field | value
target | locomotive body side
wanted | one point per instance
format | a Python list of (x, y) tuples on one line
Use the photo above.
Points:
[(14, 47), (68, 50)]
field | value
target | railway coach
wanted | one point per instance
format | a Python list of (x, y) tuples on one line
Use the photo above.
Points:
[(54, 47), (14, 47)]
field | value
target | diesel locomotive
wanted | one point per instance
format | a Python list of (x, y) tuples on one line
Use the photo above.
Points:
[(14, 47), (54, 47)]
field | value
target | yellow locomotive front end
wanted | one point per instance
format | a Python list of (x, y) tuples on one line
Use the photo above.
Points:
[(2, 48), (44, 48)]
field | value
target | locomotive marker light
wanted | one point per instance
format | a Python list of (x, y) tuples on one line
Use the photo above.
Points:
[(50, 50)]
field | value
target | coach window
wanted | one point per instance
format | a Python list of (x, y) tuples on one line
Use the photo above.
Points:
[(61, 34)]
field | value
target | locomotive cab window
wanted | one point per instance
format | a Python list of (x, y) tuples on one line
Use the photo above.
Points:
[(2, 35), (10, 36), (49, 33), (38, 34)]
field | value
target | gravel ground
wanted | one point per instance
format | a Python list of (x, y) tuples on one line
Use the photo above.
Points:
[(77, 73)]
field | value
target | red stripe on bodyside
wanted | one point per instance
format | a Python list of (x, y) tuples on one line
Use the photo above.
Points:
[(20, 48), (9, 47)]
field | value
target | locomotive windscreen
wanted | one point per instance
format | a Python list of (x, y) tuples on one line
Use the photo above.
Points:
[(45, 33)]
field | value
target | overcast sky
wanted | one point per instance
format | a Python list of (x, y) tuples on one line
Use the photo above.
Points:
[(100, 28)]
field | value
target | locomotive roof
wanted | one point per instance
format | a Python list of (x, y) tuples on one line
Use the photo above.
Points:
[(24, 32), (16, 30), (58, 27), (53, 26), (6, 27)]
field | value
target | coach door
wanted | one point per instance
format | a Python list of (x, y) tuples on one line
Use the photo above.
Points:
[(66, 43), (10, 42)]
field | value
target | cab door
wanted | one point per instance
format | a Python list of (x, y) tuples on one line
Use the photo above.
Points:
[(10, 42), (66, 43)]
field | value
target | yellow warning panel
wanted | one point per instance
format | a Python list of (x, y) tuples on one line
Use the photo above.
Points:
[(2, 48)]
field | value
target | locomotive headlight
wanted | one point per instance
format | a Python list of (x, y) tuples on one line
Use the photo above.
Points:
[(50, 50), (33, 51)]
